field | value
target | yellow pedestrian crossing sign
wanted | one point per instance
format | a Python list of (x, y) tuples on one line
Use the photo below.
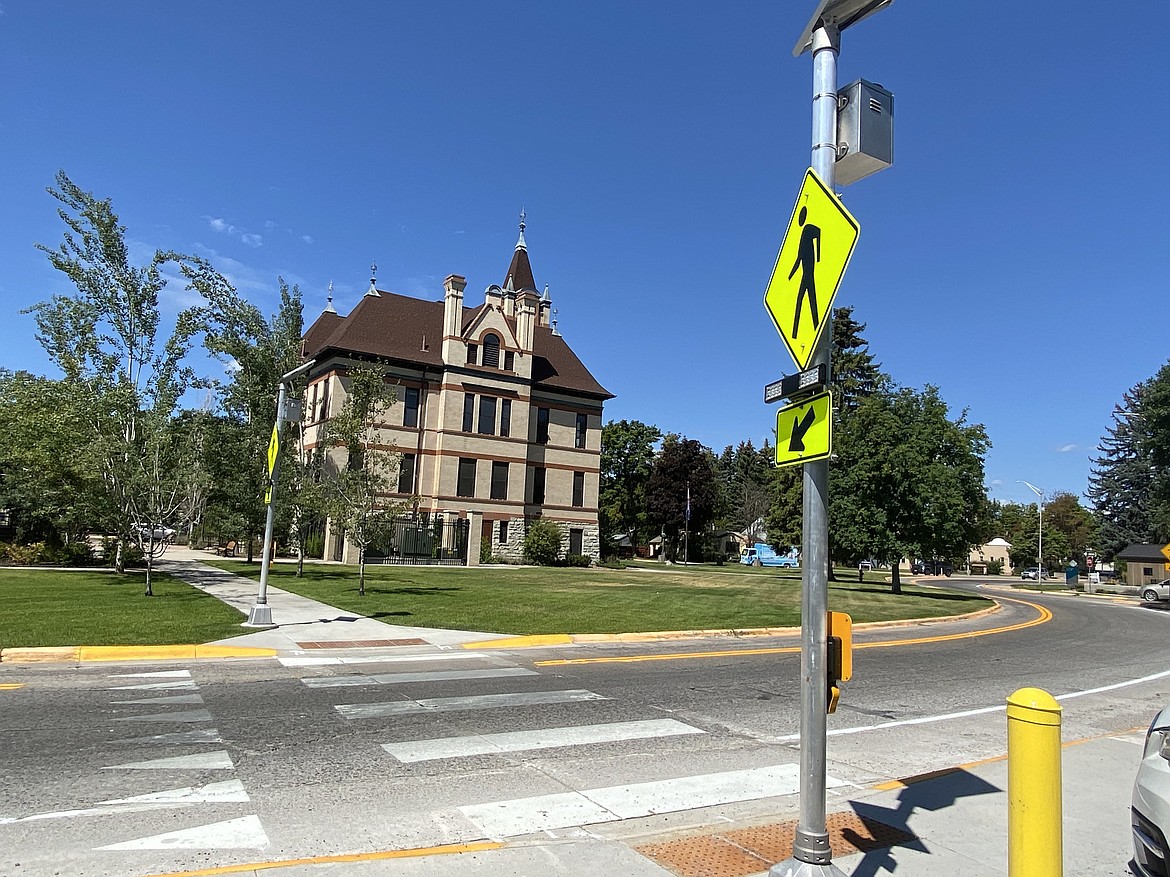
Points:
[(273, 449), (804, 430), (812, 260)]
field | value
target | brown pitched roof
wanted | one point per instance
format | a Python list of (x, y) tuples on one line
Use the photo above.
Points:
[(392, 326), (520, 271), (320, 331)]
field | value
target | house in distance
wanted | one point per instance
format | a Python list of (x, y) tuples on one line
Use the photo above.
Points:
[(497, 420)]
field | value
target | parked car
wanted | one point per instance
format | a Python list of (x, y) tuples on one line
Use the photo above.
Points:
[(931, 568), (1150, 810), (159, 534), (1030, 573), (1157, 591)]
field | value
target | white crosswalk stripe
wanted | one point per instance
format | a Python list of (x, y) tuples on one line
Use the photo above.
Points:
[(218, 760), (420, 676), (546, 738), (473, 702), (234, 834), (500, 819), (328, 660)]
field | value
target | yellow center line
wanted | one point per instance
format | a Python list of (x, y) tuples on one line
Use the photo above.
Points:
[(10, 686), (1043, 615), (380, 855)]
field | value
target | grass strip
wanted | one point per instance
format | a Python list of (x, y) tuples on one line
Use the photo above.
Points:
[(542, 600), (89, 607)]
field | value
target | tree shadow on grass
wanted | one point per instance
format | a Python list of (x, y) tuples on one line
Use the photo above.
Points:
[(413, 591)]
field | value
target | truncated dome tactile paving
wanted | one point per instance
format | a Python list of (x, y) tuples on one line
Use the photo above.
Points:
[(753, 850)]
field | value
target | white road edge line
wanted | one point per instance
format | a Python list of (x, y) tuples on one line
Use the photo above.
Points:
[(925, 720)]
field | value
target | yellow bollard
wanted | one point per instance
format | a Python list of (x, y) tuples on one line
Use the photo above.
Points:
[(1034, 795)]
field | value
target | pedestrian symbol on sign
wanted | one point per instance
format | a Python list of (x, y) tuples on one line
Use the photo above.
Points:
[(806, 260)]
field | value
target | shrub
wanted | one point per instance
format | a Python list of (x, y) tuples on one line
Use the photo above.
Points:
[(485, 550), (995, 567), (542, 542), (75, 553), (315, 545), (578, 560), (25, 555)]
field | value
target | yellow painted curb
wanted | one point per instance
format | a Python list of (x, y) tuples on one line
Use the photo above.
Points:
[(43, 655), (233, 652), (520, 642), (564, 639), (59, 654)]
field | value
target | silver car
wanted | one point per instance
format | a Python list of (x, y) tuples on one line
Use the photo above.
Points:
[(1150, 813), (1157, 591)]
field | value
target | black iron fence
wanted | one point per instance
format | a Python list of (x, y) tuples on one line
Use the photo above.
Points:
[(422, 540)]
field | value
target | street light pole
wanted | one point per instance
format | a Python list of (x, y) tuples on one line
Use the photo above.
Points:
[(261, 614), (1040, 530)]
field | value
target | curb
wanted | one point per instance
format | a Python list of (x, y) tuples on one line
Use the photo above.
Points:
[(84, 654), (564, 639)]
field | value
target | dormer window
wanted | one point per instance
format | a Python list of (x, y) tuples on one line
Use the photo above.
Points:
[(491, 351)]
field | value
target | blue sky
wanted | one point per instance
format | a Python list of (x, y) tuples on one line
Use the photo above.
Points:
[(1015, 255)]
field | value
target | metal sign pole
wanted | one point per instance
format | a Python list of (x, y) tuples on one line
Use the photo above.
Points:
[(261, 614), (811, 853)]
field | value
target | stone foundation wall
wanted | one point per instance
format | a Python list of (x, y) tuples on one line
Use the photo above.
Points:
[(512, 551)]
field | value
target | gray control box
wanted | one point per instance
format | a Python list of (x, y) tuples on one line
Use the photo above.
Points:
[(865, 131)]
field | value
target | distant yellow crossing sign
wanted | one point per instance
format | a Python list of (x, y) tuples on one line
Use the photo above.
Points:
[(812, 260), (804, 430), (273, 450)]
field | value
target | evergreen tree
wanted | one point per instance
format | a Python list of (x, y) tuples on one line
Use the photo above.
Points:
[(1121, 476)]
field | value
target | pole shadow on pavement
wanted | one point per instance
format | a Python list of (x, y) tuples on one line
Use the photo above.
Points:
[(929, 795)]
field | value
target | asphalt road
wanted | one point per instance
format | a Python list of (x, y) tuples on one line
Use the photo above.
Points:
[(106, 771)]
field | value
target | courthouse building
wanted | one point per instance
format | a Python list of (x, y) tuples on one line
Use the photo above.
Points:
[(497, 420)]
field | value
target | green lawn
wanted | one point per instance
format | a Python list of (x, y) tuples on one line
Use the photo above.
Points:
[(544, 600), (88, 608)]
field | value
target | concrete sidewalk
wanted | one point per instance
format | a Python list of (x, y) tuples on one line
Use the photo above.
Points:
[(299, 620)]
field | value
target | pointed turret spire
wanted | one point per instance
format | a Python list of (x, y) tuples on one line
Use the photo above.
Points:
[(520, 244), (373, 290), (519, 274), (329, 309)]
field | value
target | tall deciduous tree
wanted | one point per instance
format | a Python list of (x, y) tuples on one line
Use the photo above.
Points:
[(105, 340), (359, 470), (683, 478), (258, 351), (908, 480), (627, 460), (49, 475)]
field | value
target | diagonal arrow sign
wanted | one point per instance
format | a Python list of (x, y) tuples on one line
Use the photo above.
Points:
[(799, 428), (809, 427)]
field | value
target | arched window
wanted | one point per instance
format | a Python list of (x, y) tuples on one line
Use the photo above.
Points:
[(491, 351)]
